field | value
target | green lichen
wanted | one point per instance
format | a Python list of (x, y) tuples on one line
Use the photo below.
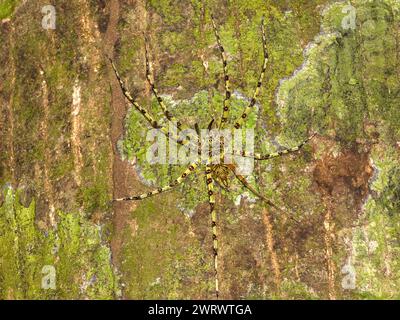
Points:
[(7, 8), (349, 80), (376, 243), (345, 88), (200, 109), (190, 75), (348, 77), (74, 248), (161, 257)]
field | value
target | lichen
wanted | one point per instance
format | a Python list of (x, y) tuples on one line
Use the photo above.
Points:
[(74, 248), (338, 198), (7, 8)]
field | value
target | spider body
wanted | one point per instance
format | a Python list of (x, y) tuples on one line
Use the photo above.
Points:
[(223, 174)]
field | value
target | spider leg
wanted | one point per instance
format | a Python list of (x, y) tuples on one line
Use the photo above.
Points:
[(173, 184), (240, 121), (210, 124), (244, 182), (211, 197), (226, 105), (160, 101), (258, 156), (144, 112), (247, 185), (126, 93)]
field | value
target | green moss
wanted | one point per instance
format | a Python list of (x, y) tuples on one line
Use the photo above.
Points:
[(161, 259), (94, 197), (346, 81), (190, 68), (200, 109), (376, 243), (296, 291), (168, 10), (342, 83), (75, 249), (7, 8)]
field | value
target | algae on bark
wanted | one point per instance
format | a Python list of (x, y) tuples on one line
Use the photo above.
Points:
[(337, 236)]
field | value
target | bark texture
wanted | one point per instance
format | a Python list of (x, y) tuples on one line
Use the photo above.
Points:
[(69, 144)]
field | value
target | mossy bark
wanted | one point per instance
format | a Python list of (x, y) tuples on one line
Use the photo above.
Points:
[(337, 236)]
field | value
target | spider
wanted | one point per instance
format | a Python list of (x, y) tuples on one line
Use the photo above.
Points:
[(220, 174)]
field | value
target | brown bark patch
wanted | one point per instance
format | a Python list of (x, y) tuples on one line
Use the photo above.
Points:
[(269, 237), (342, 181), (344, 177)]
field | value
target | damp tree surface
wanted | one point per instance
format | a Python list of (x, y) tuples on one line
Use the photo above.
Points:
[(69, 143)]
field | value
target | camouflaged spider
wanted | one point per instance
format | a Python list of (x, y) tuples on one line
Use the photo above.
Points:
[(220, 173)]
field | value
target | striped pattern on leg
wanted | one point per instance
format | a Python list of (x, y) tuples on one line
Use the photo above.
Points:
[(247, 185), (211, 197), (160, 101), (126, 93), (173, 184), (258, 156), (226, 105), (239, 122), (243, 180), (144, 112)]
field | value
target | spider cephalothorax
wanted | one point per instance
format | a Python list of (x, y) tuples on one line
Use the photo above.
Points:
[(221, 173)]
